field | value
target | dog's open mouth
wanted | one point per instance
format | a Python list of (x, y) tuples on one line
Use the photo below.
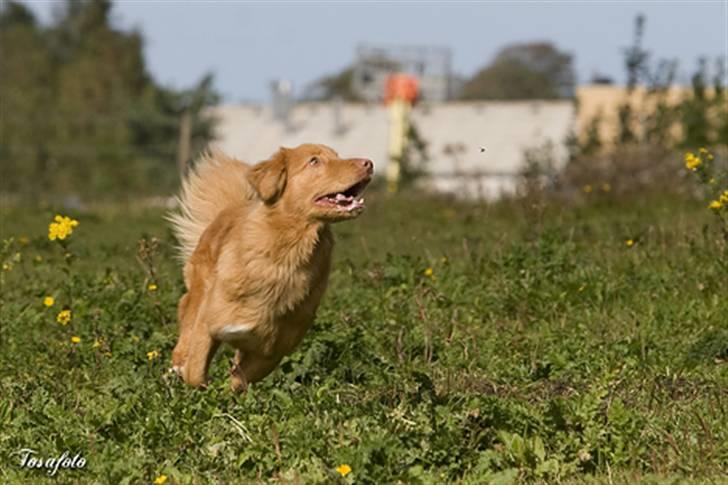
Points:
[(346, 200)]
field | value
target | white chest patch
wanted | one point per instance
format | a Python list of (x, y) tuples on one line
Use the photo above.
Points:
[(235, 331)]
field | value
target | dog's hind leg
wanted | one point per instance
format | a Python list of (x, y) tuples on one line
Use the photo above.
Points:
[(238, 381), (249, 368)]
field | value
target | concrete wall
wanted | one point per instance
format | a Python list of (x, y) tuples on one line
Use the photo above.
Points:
[(455, 133), (505, 130)]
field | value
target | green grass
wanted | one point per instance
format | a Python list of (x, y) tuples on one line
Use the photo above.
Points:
[(541, 349)]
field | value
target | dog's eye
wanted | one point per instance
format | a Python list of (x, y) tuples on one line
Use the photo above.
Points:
[(313, 161)]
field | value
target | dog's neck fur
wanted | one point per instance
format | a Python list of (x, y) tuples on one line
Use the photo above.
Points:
[(293, 238)]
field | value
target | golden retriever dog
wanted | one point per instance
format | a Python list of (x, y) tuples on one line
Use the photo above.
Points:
[(256, 246)]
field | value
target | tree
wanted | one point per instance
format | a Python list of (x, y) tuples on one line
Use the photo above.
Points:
[(524, 71), (82, 115), (16, 14), (636, 58), (333, 86), (25, 94), (694, 110)]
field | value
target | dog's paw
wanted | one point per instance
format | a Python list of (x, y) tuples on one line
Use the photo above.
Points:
[(238, 386), (238, 381), (176, 369)]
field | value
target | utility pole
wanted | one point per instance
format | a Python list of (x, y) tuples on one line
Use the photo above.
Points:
[(183, 146), (400, 94)]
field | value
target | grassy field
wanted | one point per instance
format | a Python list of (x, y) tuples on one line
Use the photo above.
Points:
[(456, 343)]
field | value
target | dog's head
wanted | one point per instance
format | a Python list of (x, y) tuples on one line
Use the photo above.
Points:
[(314, 181)]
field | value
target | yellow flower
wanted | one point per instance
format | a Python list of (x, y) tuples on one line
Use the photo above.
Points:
[(49, 301), (606, 187), (7, 266), (724, 197), (154, 354), (715, 205), (160, 480), (692, 162), (706, 153), (587, 189), (64, 316), (97, 343), (429, 272), (75, 339), (343, 469), (61, 228), (629, 243), (152, 287)]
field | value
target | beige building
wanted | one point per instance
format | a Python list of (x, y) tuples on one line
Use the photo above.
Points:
[(604, 101)]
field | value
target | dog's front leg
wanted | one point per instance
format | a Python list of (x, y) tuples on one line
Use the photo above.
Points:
[(201, 350), (186, 322)]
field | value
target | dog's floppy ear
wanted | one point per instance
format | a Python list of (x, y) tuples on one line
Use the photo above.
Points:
[(268, 178)]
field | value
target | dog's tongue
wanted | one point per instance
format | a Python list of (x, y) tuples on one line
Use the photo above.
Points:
[(348, 202)]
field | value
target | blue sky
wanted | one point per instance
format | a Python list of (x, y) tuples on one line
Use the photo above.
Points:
[(247, 44)]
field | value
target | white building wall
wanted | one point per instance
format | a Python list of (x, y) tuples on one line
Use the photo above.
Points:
[(504, 129)]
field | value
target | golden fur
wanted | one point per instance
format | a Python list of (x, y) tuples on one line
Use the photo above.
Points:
[(256, 247)]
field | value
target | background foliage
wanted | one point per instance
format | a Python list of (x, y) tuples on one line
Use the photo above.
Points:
[(536, 70), (698, 119), (81, 114)]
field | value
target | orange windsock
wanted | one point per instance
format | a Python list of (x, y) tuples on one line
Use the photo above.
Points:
[(401, 86)]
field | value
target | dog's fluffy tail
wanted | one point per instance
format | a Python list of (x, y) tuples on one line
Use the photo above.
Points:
[(215, 182)]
